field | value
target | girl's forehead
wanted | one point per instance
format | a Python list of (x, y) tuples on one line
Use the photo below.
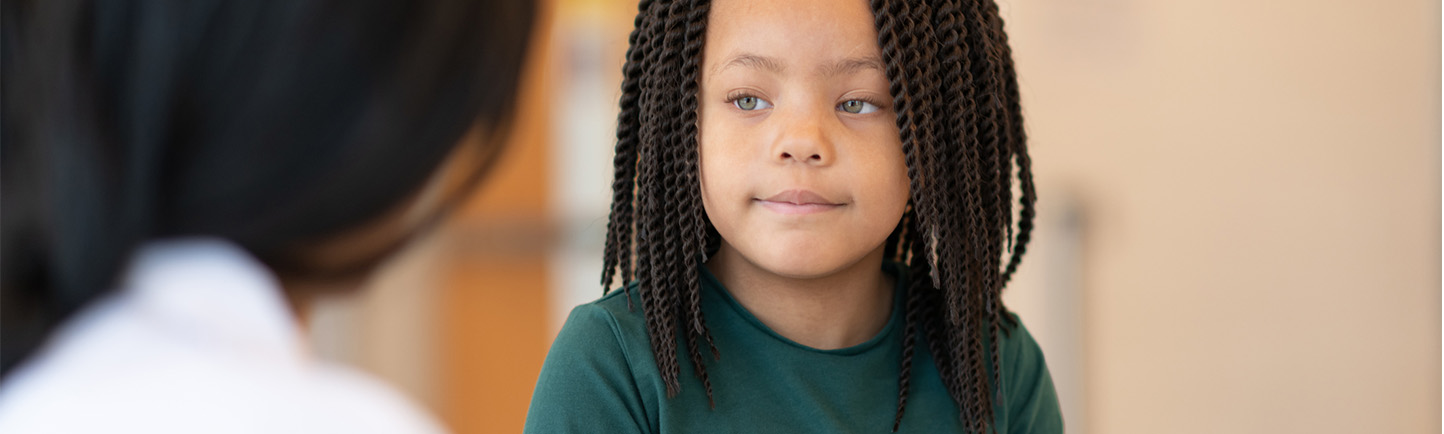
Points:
[(803, 36)]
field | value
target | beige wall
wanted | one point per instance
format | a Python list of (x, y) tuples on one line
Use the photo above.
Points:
[(1257, 185)]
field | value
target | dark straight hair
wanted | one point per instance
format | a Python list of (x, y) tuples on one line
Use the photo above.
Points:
[(268, 123)]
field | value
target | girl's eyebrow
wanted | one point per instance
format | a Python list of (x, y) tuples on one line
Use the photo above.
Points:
[(851, 65), (841, 67), (753, 61)]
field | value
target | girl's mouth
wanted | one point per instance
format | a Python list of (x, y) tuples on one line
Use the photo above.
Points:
[(797, 202)]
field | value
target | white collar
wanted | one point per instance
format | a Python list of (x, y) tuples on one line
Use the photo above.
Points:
[(214, 290)]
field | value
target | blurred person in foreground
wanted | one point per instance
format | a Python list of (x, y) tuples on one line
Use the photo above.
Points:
[(180, 177)]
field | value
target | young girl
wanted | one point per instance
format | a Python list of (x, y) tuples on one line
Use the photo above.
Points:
[(812, 210)]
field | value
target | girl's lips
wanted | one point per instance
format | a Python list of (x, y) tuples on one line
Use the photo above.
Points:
[(796, 202), (796, 209)]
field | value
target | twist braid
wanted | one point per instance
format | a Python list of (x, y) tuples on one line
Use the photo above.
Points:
[(656, 304), (1028, 196), (693, 241), (917, 293), (624, 161), (1007, 119), (692, 55), (664, 268)]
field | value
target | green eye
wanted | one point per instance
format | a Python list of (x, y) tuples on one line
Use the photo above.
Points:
[(857, 107), (747, 103)]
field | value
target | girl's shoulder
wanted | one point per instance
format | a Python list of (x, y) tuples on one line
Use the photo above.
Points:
[(610, 330), (619, 311), (1016, 344), (1031, 400), (602, 353)]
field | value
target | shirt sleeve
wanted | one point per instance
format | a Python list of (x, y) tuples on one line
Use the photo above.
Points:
[(586, 384), (1032, 402)]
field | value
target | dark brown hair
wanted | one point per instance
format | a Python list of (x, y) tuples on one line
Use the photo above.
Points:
[(269, 123), (956, 96)]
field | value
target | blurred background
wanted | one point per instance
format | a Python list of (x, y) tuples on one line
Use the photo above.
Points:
[(1239, 220)]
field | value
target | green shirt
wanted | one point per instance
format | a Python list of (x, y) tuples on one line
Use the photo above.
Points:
[(600, 377)]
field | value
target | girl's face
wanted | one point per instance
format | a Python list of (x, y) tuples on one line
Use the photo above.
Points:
[(802, 167)]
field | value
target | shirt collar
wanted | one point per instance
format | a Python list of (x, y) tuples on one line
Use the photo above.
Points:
[(213, 292)]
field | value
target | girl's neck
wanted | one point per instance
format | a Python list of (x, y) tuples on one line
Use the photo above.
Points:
[(839, 310)]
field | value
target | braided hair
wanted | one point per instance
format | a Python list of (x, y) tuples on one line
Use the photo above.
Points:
[(955, 92)]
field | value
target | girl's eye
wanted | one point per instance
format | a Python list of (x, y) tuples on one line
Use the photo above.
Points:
[(750, 103), (857, 107)]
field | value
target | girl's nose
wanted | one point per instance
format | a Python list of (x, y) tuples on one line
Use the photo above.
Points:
[(804, 140)]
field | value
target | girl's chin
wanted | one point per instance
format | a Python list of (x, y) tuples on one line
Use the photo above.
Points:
[(804, 265)]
